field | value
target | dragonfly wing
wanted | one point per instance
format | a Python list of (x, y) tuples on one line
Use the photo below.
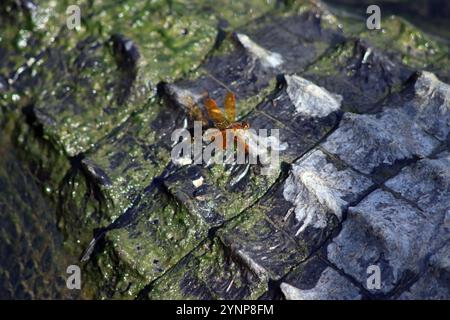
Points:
[(230, 107), (215, 114)]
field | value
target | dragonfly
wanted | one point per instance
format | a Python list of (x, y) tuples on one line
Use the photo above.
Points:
[(227, 121)]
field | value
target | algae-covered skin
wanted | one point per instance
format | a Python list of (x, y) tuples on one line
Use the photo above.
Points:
[(265, 239), (362, 74), (248, 60), (169, 65), (28, 28), (124, 164), (110, 179), (33, 266), (174, 36), (109, 67), (210, 271), (89, 81), (401, 40)]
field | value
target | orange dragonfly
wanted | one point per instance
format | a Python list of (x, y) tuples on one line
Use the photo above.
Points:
[(227, 121)]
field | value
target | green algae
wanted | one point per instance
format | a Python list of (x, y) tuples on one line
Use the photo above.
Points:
[(124, 158), (36, 256), (111, 278), (87, 74), (25, 32), (247, 105), (239, 198), (46, 164), (329, 64), (171, 43), (333, 72)]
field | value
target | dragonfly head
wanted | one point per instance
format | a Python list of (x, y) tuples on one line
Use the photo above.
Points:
[(245, 125)]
